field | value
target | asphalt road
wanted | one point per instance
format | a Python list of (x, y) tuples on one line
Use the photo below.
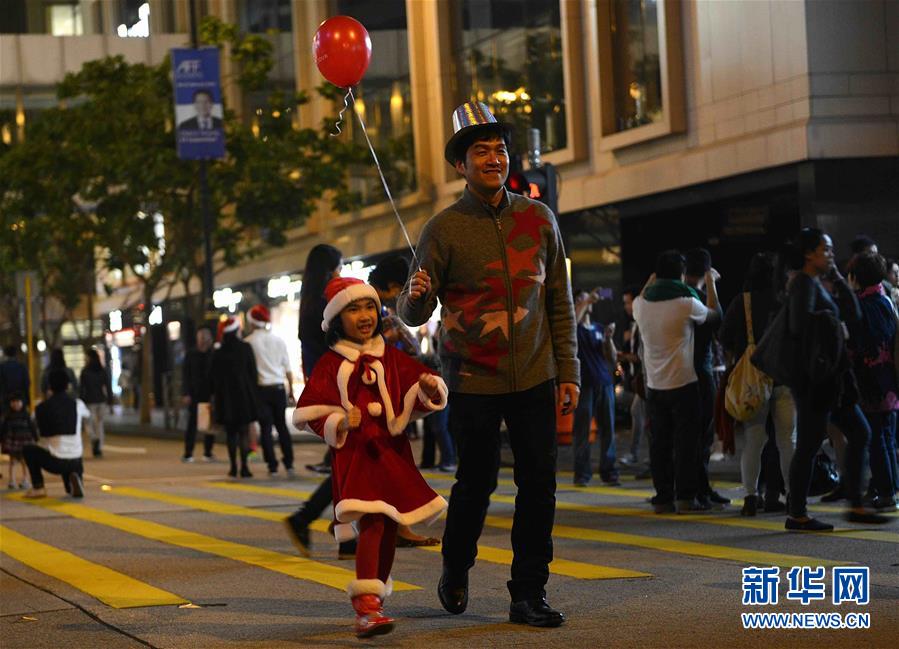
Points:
[(163, 554)]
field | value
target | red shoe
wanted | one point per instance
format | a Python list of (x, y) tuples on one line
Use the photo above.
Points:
[(370, 618)]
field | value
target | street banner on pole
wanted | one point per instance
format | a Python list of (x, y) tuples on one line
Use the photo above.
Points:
[(199, 131)]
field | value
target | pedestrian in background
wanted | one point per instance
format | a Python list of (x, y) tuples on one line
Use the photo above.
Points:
[(274, 388), (763, 300), (698, 263), (59, 420), (833, 396), (635, 379), (96, 392), (13, 377), (873, 346), (58, 362), (322, 264), (598, 356), (16, 431), (196, 393), (666, 312), (233, 380)]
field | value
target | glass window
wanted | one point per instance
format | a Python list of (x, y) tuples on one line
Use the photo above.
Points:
[(508, 54), (65, 20), (383, 100), (259, 16), (635, 63)]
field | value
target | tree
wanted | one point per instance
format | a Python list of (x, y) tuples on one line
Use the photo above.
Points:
[(112, 151)]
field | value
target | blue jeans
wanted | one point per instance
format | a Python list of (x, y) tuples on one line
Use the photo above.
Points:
[(596, 401), (883, 452)]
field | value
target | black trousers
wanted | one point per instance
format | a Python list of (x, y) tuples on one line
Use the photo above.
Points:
[(38, 458), (238, 436), (811, 429), (317, 503), (674, 446), (708, 388), (190, 435), (475, 419), (272, 404)]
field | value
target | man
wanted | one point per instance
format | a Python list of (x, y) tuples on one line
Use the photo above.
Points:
[(59, 420), (634, 378), (597, 355), (196, 390), (496, 263), (273, 366), (666, 312), (204, 119), (13, 377), (699, 261)]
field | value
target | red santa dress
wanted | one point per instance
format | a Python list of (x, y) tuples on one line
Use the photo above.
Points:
[(372, 466)]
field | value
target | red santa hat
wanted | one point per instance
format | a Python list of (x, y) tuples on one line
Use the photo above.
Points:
[(259, 315), (227, 325), (340, 291)]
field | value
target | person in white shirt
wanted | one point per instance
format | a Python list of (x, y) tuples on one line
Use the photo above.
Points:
[(273, 368), (59, 420), (666, 312)]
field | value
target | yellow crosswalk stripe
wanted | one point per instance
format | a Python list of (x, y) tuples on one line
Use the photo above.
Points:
[(624, 492), (712, 519), (739, 555), (105, 584), (293, 566), (576, 569), (691, 548)]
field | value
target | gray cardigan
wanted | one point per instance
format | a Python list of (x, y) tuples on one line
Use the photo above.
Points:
[(500, 276)]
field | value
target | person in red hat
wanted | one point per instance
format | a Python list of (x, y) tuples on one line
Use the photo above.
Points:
[(233, 377), (359, 398), (273, 367)]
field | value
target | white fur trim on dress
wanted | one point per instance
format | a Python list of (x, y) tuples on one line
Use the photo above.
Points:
[(345, 532), (350, 294), (335, 437), (351, 351), (351, 509), (302, 416), (367, 587)]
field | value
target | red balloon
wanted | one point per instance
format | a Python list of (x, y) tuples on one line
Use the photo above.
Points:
[(342, 50)]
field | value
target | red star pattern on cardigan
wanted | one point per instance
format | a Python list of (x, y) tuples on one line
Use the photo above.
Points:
[(528, 223), (518, 260)]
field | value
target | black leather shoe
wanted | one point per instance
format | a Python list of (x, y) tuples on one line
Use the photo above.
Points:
[(453, 591), (298, 530), (535, 612)]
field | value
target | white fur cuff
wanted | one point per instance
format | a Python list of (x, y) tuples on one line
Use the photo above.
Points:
[(333, 436), (367, 587), (442, 396)]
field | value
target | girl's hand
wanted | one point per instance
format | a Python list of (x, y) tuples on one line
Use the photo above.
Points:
[(428, 385), (353, 418)]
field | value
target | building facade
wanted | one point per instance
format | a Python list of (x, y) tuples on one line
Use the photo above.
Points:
[(672, 123)]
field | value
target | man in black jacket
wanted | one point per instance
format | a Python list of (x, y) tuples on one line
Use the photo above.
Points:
[(195, 389), (59, 421)]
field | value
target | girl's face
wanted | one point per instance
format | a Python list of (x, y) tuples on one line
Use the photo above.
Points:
[(16, 405), (821, 258), (359, 319)]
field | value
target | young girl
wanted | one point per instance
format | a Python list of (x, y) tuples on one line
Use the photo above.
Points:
[(360, 398), (16, 430)]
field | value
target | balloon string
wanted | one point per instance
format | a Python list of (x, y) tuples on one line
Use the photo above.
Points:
[(342, 111), (384, 182)]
